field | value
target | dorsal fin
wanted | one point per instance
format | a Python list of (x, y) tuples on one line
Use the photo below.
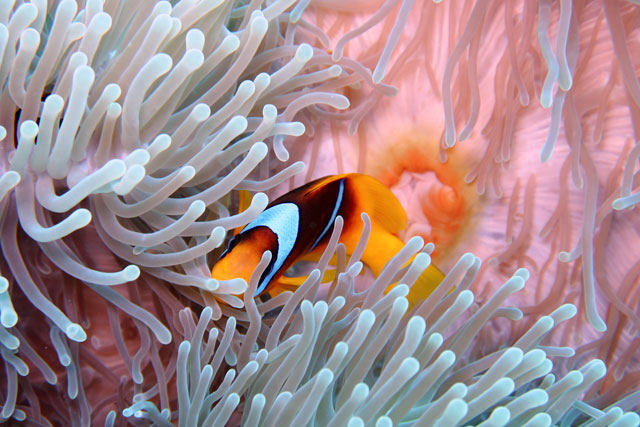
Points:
[(379, 202), (373, 197), (312, 186)]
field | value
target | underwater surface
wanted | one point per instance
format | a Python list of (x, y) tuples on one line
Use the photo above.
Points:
[(139, 138)]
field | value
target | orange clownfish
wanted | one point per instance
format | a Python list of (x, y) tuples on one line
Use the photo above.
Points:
[(298, 225)]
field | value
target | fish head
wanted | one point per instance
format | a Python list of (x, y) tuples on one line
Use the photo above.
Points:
[(243, 254)]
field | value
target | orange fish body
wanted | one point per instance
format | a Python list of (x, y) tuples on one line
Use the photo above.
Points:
[(299, 225)]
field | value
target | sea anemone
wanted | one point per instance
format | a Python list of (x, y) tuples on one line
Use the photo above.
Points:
[(356, 358), (133, 133), (512, 137), (151, 115)]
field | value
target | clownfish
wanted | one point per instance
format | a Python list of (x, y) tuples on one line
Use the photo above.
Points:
[(299, 224)]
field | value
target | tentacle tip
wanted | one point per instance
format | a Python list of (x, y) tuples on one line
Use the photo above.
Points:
[(367, 316), (466, 297), (449, 139), (523, 273), (342, 103), (131, 272), (598, 367), (261, 200), (82, 217), (282, 155), (12, 343), (8, 319), (137, 250), (378, 76), (211, 285), (465, 134), (335, 70), (231, 42), (270, 111), (198, 207), (416, 240), (163, 335), (570, 310), (305, 52), (565, 83), (546, 100), (545, 156), (262, 80), (218, 234), (240, 123), (4, 285), (517, 283), (12, 177), (259, 24), (337, 54), (297, 129), (299, 166), (187, 172), (75, 333), (619, 204), (260, 149), (598, 324)]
